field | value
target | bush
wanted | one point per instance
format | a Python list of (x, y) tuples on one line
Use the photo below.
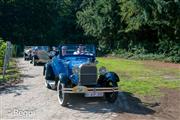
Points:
[(2, 51), (174, 53), (141, 54)]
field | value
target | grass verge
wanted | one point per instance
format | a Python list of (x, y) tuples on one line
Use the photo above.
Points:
[(12, 73), (141, 79)]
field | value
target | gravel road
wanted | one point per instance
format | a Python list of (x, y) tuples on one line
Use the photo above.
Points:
[(32, 100)]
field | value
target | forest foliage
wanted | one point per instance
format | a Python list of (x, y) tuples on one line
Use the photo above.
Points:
[(2, 52), (134, 28)]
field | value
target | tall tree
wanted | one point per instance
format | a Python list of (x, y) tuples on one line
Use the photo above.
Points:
[(160, 17), (40, 21), (100, 19), (26, 20)]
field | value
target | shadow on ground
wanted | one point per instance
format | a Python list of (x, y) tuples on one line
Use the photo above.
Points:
[(23, 76), (38, 64), (126, 103), (16, 89)]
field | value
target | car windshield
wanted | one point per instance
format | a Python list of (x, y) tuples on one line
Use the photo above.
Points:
[(77, 50)]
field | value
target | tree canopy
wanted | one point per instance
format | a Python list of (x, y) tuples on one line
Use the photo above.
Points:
[(150, 25), (39, 21)]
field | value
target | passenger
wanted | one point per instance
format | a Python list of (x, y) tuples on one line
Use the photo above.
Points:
[(80, 50), (55, 50), (64, 50)]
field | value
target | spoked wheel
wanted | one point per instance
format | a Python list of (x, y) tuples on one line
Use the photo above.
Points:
[(62, 97), (112, 96)]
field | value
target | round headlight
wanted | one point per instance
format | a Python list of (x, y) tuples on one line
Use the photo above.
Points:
[(75, 70), (102, 70)]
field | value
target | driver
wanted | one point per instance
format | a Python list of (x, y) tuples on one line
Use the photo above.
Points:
[(64, 50)]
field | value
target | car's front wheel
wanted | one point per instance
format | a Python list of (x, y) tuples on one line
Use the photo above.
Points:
[(62, 97), (112, 96)]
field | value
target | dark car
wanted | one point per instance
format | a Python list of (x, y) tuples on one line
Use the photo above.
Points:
[(75, 70), (40, 55)]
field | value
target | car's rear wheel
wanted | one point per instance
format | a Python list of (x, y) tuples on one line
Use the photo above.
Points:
[(34, 61), (62, 97), (112, 96), (25, 56)]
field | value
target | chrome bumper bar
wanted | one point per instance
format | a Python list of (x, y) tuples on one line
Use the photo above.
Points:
[(83, 89)]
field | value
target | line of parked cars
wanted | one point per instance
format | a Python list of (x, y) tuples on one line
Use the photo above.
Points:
[(36, 54), (72, 69)]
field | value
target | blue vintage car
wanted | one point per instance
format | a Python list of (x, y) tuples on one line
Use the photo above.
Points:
[(74, 70)]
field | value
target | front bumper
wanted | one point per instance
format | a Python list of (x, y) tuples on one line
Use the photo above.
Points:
[(84, 89)]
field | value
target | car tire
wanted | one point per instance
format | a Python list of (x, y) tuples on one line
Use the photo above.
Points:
[(62, 97), (112, 96), (34, 62)]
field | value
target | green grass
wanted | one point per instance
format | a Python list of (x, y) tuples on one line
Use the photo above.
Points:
[(12, 73), (140, 79)]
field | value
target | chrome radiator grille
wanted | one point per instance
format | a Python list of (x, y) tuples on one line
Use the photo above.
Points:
[(88, 74)]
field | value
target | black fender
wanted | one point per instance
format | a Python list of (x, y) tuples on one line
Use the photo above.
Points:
[(108, 76), (48, 71), (111, 76), (63, 78), (35, 57)]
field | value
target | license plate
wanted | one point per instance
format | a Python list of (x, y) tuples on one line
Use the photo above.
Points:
[(94, 94)]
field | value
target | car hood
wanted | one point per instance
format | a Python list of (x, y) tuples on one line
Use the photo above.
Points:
[(77, 63), (43, 55)]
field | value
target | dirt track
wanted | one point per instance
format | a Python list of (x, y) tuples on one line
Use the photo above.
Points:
[(31, 100)]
